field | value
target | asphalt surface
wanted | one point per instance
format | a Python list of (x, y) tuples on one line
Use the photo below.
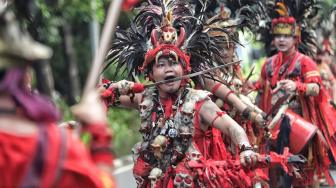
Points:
[(124, 177)]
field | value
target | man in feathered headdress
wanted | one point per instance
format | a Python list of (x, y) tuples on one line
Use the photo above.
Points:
[(227, 84), (176, 121), (293, 76)]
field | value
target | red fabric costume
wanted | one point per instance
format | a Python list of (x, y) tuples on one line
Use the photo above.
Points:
[(174, 151), (209, 142), (247, 125), (207, 158), (58, 160), (327, 77), (317, 110)]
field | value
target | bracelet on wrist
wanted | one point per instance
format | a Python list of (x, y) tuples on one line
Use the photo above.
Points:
[(244, 147), (115, 98), (253, 116), (246, 113), (301, 87)]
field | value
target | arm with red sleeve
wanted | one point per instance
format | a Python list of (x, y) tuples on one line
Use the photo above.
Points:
[(91, 113), (325, 112), (99, 143), (311, 80)]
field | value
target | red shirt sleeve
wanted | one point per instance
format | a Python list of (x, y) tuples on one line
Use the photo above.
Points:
[(309, 71), (100, 145)]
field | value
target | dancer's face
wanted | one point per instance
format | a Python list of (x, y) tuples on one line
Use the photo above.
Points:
[(167, 68), (284, 43), (227, 52)]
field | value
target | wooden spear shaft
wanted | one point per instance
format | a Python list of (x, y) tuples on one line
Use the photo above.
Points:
[(106, 37)]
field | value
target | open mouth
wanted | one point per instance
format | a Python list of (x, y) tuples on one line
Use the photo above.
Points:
[(169, 77)]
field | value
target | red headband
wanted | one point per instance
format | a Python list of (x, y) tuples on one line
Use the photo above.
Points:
[(166, 49)]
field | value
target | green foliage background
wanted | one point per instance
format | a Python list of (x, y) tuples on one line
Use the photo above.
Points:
[(79, 13), (125, 125), (123, 122)]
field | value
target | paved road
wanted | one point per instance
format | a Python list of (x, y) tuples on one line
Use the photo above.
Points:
[(124, 177)]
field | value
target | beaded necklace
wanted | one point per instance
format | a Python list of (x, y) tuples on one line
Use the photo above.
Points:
[(167, 125)]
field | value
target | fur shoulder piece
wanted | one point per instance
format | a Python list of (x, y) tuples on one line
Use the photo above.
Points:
[(149, 92), (197, 95)]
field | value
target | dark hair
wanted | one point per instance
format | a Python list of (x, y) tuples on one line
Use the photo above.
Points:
[(149, 68)]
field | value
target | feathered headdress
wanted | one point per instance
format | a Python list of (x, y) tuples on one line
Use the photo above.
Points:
[(290, 17), (284, 24), (325, 27), (234, 16), (163, 28)]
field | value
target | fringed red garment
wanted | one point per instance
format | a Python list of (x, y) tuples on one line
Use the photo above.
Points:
[(210, 142)]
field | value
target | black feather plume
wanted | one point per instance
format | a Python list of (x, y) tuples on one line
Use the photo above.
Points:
[(130, 46), (127, 51)]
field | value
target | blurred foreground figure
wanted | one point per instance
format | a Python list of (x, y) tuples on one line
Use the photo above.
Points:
[(34, 152)]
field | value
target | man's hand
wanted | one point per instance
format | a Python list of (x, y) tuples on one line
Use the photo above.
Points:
[(249, 158), (124, 87), (288, 85), (260, 121)]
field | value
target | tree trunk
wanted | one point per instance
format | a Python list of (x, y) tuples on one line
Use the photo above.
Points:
[(30, 13), (71, 61), (44, 78)]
